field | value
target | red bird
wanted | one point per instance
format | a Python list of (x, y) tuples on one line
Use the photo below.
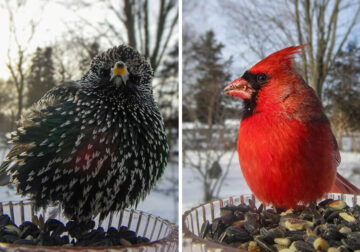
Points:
[(287, 151)]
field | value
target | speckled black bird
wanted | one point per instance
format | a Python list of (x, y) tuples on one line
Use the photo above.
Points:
[(96, 145)]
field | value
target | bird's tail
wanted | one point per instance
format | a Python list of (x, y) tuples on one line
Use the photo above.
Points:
[(4, 177), (341, 185)]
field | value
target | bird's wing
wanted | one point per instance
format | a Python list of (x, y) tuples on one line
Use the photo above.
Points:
[(53, 97)]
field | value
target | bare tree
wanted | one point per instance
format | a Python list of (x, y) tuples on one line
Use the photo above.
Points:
[(323, 25), (66, 67), (19, 44), (342, 92), (208, 143), (133, 22), (209, 152)]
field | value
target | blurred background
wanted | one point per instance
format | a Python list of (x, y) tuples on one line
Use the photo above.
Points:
[(47, 42), (222, 39)]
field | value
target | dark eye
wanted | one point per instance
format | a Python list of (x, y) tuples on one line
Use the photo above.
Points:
[(261, 78), (104, 72)]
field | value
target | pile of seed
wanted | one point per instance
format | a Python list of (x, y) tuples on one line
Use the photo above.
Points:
[(329, 226), (55, 233)]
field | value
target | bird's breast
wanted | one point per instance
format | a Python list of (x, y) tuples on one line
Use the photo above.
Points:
[(278, 154)]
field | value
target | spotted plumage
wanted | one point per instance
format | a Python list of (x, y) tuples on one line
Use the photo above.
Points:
[(96, 145)]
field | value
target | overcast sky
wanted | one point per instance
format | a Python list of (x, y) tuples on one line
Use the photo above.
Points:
[(206, 15), (52, 20), (203, 15)]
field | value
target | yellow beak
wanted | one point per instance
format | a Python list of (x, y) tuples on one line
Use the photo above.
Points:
[(120, 71)]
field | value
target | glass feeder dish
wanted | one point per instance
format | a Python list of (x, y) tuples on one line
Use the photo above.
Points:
[(162, 234), (193, 220)]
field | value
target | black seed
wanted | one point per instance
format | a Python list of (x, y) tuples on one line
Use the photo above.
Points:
[(143, 240), (11, 230), (217, 228), (227, 210), (252, 227), (264, 245), (24, 242), (355, 210), (334, 243), (325, 202), (331, 233), (310, 239), (46, 240), (352, 241), (102, 243), (252, 217), (274, 218), (58, 231), (354, 226), (243, 208), (123, 228), (114, 236), (331, 218), (74, 229), (228, 219), (261, 208), (270, 234), (64, 239), (5, 220), (28, 228), (307, 214), (52, 224), (234, 234), (94, 235), (90, 224), (130, 236), (296, 235), (205, 228), (351, 244), (303, 246), (9, 238), (344, 249)]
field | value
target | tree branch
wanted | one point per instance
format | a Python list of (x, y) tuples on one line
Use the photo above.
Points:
[(353, 23), (300, 38)]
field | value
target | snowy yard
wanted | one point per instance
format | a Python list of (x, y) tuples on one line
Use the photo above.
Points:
[(157, 202), (235, 183)]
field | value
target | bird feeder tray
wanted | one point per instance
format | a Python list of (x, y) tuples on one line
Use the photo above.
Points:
[(194, 219), (162, 235)]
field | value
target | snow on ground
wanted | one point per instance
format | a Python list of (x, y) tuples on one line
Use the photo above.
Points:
[(235, 183), (156, 203)]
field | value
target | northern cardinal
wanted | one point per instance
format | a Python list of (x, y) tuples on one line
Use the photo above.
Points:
[(287, 151)]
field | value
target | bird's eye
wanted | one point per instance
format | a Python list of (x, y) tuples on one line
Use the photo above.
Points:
[(261, 78), (105, 72)]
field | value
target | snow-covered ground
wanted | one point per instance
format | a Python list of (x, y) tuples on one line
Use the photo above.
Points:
[(235, 183), (157, 202)]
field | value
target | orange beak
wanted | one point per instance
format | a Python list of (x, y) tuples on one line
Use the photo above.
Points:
[(239, 88)]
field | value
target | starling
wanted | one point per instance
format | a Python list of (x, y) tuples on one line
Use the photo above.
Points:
[(96, 145)]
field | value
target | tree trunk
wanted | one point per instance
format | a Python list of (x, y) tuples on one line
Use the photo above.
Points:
[(130, 22), (207, 192)]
